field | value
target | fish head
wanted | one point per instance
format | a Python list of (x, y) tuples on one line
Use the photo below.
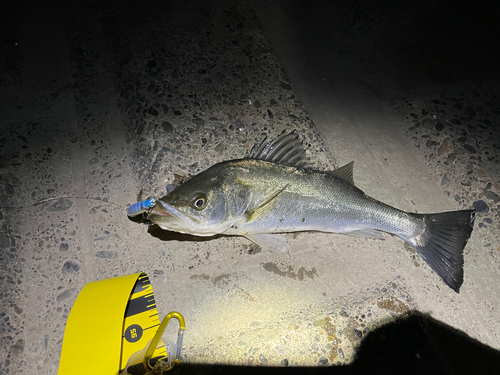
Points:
[(205, 205)]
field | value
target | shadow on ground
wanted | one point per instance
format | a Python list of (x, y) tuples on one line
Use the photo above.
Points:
[(166, 235), (412, 344)]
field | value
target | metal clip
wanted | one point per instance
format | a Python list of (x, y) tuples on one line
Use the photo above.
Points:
[(157, 337)]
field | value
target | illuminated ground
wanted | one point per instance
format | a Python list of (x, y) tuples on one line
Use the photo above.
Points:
[(113, 102)]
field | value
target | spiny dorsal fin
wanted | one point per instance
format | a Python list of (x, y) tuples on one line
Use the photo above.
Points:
[(265, 207), (285, 149), (345, 172)]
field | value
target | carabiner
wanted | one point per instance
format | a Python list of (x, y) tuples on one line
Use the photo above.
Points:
[(157, 337)]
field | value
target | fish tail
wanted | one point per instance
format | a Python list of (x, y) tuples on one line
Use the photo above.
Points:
[(442, 243)]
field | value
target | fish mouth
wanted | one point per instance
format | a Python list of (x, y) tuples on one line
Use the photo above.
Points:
[(169, 218)]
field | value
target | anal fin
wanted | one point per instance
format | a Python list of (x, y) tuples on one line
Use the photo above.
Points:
[(366, 233)]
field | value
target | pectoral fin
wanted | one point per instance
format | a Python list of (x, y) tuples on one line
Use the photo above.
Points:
[(265, 207), (270, 242), (367, 233)]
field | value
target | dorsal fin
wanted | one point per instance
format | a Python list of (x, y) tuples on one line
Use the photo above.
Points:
[(345, 172), (285, 149)]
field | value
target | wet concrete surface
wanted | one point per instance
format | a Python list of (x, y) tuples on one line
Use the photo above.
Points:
[(105, 104)]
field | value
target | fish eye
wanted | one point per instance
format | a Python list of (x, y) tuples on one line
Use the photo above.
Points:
[(199, 201)]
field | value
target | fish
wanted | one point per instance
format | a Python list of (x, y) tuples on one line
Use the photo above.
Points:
[(276, 189)]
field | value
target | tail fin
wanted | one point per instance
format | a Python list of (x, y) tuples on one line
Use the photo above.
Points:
[(443, 241)]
